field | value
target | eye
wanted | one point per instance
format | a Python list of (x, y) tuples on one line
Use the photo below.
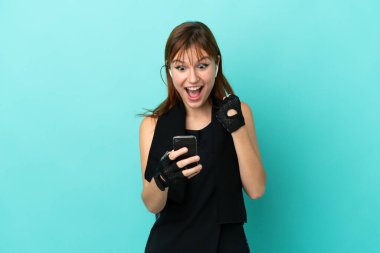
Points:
[(180, 68), (203, 65)]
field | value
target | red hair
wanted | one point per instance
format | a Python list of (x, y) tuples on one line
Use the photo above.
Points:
[(182, 38)]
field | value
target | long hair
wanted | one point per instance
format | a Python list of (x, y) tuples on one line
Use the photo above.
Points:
[(182, 38)]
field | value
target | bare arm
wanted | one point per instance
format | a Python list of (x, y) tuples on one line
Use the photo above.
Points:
[(155, 199), (252, 172)]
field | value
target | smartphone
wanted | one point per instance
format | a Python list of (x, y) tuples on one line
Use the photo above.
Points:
[(188, 141)]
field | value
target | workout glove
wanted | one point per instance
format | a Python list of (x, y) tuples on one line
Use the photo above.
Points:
[(230, 123), (169, 171)]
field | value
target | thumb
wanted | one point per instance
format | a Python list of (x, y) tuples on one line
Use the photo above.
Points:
[(227, 96)]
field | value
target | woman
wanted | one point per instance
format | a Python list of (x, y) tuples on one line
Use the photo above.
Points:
[(199, 208)]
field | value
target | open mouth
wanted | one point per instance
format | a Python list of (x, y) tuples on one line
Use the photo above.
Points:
[(194, 92)]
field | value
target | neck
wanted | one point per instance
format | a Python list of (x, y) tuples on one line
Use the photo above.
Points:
[(200, 112)]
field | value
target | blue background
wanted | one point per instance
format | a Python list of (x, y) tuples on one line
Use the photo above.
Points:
[(74, 74)]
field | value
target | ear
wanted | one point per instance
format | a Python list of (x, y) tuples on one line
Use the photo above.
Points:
[(170, 71), (217, 66)]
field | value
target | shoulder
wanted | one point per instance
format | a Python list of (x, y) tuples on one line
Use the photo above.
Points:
[(244, 106), (246, 110), (148, 124), (147, 127)]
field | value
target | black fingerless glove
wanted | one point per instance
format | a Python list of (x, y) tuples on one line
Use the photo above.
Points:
[(169, 171), (231, 123)]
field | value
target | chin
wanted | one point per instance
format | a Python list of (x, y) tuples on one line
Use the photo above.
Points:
[(196, 105)]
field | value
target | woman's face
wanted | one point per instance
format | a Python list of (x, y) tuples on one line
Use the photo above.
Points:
[(193, 78)]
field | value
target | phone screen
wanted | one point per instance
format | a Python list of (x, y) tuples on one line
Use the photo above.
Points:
[(189, 141)]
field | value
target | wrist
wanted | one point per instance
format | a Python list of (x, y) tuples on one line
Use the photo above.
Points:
[(160, 182), (240, 133)]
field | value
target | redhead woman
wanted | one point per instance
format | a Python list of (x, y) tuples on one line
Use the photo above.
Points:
[(198, 200)]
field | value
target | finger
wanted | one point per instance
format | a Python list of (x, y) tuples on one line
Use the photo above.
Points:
[(175, 153), (231, 112), (189, 172), (196, 173), (226, 96), (182, 163)]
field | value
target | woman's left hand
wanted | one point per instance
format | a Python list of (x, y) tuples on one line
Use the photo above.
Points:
[(230, 114)]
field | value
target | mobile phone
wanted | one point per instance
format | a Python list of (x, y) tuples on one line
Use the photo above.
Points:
[(188, 141)]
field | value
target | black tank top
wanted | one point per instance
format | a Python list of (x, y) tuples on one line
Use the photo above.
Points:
[(220, 157), (192, 225)]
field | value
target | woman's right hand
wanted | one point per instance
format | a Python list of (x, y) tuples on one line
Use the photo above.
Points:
[(169, 171), (191, 172)]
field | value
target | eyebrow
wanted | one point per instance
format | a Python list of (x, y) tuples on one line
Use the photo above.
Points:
[(202, 58)]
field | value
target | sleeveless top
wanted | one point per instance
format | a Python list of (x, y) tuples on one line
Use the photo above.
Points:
[(196, 209), (220, 169), (184, 227)]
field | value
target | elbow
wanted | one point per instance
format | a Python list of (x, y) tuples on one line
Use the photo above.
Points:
[(257, 193), (147, 204), (258, 189), (150, 206), (152, 209)]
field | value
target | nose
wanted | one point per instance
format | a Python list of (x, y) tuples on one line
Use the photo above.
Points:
[(193, 77)]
